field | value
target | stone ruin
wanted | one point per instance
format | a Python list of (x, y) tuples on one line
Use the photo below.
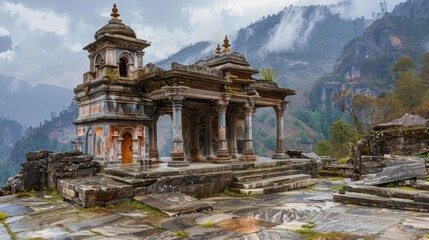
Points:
[(388, 158), (41, 170)]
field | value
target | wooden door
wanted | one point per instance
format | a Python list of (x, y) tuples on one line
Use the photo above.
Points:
[(127, 148)]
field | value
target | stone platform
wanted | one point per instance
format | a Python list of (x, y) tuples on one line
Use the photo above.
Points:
[(122, 182)]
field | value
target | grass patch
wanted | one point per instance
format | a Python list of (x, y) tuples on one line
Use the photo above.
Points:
[(180, 234), (308, 232), (135, 204), (335, 236), (91, 209), (207, 224), (53, 194), (343, 160), (228, 191), (309, 225), (390, 185), (3, 216), (337, 179), (339, 187), (310, 187)]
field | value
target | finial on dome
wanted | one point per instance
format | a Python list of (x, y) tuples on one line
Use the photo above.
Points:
[(115, 13), (218, 49), (226, 45)]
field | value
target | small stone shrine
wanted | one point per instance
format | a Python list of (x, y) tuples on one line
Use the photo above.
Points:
[(120, 101)]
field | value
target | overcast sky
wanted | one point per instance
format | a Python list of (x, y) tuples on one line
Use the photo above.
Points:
[(41, 40)]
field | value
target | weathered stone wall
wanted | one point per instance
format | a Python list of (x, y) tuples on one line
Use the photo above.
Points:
[(399, 141), (42, 169)]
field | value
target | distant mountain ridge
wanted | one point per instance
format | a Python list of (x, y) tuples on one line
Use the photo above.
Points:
[(302, 42), (29, 105), (365, 65)]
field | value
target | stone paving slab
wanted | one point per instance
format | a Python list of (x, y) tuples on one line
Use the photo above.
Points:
[(244, 225), (174, 203), (273, 216), (4, 235)]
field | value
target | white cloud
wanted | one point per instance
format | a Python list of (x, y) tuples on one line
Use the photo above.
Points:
[(38, 20), (7, 55), (4, 31), (75, 47), (293, 31)]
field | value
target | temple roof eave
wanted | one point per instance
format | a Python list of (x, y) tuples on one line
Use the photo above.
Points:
[(106, 37)]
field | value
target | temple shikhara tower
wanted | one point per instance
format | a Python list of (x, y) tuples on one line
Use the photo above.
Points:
[(211, 103)]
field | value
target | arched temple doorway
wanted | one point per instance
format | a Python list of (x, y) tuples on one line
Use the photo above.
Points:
[(123, 71), (127, 148)]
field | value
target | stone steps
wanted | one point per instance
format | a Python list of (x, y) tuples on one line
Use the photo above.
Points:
[(325, 173), (423, 185), (134, 182), (270, 181), (384, 202), (337, 167), (267, 170), (260, 176), (385, 192), (276, 188)]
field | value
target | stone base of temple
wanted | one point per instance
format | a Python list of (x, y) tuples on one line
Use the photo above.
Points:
[(196, 156), (280, 156), (223, 157), (178, 164), (154, 154), (248, 156), (178, 160)]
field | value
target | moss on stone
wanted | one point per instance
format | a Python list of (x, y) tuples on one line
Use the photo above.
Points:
[(207, 224), (3, 216), (180, 234)]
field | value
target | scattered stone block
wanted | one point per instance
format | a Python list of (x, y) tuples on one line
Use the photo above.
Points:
[(422, 198), (422, 185), (394, 173), (376, 201), (31, 156), (383, 192), (174, 203), (94, 191)]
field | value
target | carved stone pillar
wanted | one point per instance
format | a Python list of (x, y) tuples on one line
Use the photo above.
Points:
[(248, 153), (119, 150), (177, 155), (208, 137), (222, 152), (195, 139), (153, 140), (280, 149), (232, 136)]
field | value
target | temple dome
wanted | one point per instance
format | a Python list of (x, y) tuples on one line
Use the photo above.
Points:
[(115, 27)]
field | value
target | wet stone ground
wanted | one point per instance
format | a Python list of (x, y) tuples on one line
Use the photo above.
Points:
[(303, 214)]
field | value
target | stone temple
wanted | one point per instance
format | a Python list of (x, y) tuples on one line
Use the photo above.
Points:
[(211, 103)]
